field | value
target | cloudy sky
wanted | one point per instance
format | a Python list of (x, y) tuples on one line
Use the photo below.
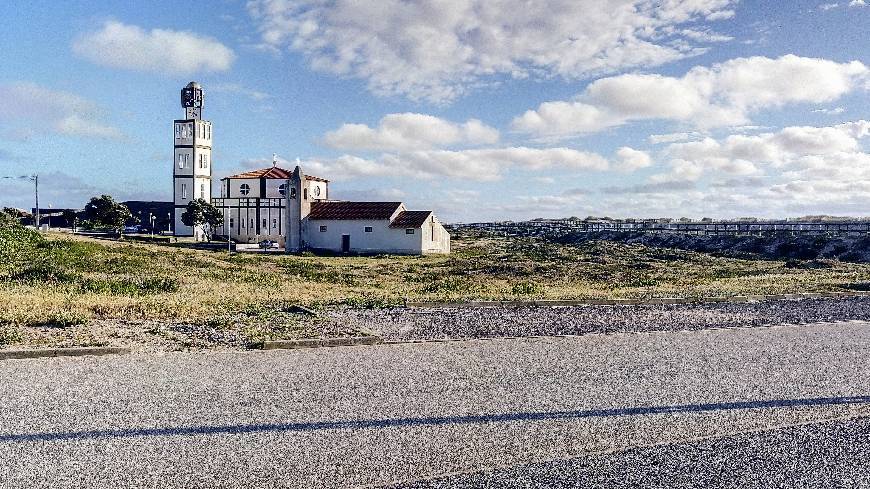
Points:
[(479, 109)]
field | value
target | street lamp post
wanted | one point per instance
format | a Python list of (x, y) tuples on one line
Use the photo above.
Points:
[(151, 223), (169, 223)]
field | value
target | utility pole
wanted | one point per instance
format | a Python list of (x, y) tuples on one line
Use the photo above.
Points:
[(36, 189)]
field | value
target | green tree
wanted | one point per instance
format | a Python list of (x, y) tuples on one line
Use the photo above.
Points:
[(104, 212), (199, 212), (70, 216)]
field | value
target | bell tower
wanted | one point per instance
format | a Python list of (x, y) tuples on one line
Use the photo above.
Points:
[(191, 167)]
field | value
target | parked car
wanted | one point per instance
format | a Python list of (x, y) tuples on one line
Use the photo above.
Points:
[(133, 229)]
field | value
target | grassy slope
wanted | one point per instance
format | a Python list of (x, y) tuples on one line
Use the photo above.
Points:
[(70, 280)]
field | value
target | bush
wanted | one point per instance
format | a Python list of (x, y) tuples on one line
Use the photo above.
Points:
[(10, 335), (526, 288), (17, 243), (63, 319)]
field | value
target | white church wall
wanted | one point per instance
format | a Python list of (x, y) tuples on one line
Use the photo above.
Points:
[(436, 239), (317, 190), (382, 238), (235, 186), (273, 188)]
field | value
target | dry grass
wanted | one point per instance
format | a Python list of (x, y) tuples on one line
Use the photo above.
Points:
[(71, 280)]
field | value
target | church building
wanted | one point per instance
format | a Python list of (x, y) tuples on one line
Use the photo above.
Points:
[(290, 207)]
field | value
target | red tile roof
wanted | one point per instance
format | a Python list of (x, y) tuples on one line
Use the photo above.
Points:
[(410, 219), (352, 210), (274, 172), (271, 172)]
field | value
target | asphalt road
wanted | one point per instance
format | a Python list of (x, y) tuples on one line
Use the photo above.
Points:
[(439, 413)]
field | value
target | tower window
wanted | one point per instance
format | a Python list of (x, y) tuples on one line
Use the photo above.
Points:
[(409, 231), (202, 191), (305, 194), (184, 191), (244, 189), (322, 229), (282, 189), (292, 192), (369, 229)]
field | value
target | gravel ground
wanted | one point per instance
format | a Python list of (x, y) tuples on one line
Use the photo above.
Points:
[(831, 455), (378, 415), (488, 322)]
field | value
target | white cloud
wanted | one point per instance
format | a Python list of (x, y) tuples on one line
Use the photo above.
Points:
[(408, 132), (33, 109), (777, 149), (672, 137), (858, 3), (828, 6), (120, 45), (437, 50), (75, 125), (237, 89), (705, 36), (832, 111), (725, 94), (629, 160), (472, 164)]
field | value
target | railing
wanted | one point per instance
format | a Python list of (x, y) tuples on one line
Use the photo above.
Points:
[(725, 228)]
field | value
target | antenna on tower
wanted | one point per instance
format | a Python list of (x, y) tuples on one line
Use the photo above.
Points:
[(274, 160)]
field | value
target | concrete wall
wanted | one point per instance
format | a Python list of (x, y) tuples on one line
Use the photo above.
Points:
[(382, 239)]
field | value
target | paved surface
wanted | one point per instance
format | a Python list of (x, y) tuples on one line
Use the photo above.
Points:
[(493, 322), (385, 414), (833, 454)]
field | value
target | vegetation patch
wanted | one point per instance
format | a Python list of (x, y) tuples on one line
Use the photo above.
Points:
[(10, 334)]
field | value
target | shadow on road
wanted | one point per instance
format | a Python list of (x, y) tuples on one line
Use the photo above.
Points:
[(430, 421)]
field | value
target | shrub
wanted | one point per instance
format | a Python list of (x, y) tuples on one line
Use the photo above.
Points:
[(63, 319), (131, 287), (17, 243), (526, 288), (448, 284), (10, 335)]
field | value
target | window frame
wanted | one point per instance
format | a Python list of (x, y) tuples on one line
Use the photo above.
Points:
[(323, 228), (244, 189), (369, 229), (410, 231)]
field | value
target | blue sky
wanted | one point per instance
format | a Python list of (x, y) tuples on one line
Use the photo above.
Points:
[(481, 110)]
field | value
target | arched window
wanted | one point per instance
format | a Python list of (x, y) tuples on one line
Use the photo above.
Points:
[(244, 189)]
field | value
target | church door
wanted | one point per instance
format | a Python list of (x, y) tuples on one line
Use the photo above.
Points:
[(345, 243)]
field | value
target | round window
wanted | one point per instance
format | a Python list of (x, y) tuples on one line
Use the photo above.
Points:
[(282, 189), (244, 189)]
